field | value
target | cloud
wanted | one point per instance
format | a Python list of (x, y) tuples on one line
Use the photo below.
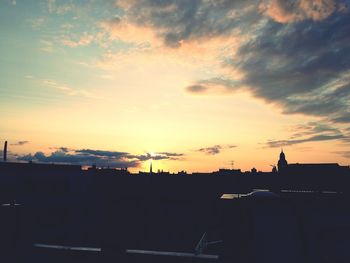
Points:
[(310, 132), (102, 153), (157, 156), (196, 88), (102, 158), (69, 91), (312, 128), (55, 8), (216, 149), (84, 40), (170, 154), (315, 138), (37, 22), (215, 85), (82, 157), (47, 46), (19, 143), (179, 21), (288, 11), (303, 67), (345, 154)]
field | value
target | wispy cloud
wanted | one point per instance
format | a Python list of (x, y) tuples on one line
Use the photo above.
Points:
[(157, 156), (315, 138), (84, 40), (37, 22), (69, 91), (54, 7), (345, 154), (47, 46), (19, 143), (216, 149), (310, 132)]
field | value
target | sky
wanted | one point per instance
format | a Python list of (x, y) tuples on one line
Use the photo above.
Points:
[(192, 85)]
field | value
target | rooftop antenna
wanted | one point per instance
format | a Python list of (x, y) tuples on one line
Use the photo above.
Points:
[(232, 162), (5, 151)]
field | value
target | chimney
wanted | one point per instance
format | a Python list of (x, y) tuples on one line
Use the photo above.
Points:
[(5, 151)]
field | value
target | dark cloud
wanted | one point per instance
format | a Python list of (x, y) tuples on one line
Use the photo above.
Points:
[(213, 150), (80, 158), (64, 149), (322, 137), (216, 149), (19, 143), (176, 21), (303, 67), (102, 153), (101, 158), (196, 88), (310, 132), (313, 128)]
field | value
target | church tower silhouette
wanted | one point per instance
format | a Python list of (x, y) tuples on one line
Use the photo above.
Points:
[(282, 162)]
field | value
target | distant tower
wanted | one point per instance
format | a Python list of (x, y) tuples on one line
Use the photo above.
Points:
[(5, 151), (282, 162), (150, 168)]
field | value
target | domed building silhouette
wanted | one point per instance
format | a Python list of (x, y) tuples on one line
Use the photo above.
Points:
[(282, 162)]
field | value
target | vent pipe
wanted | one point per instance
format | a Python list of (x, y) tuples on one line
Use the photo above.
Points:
[(5, 151)]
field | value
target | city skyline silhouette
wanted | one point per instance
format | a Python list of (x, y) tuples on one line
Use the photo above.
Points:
[(177, 131)]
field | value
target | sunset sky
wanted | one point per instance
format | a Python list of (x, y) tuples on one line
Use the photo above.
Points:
[(191, 84)]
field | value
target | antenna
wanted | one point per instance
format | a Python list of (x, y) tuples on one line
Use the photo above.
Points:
[(5, 151), (232, 162)]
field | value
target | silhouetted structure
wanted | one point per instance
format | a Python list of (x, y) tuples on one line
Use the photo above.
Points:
[(282, 162), (308, 170), (5, 152)]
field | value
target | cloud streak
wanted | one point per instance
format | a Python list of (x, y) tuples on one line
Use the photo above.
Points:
[(19, 143), (216, 149), (310, 132), (102, 158)]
